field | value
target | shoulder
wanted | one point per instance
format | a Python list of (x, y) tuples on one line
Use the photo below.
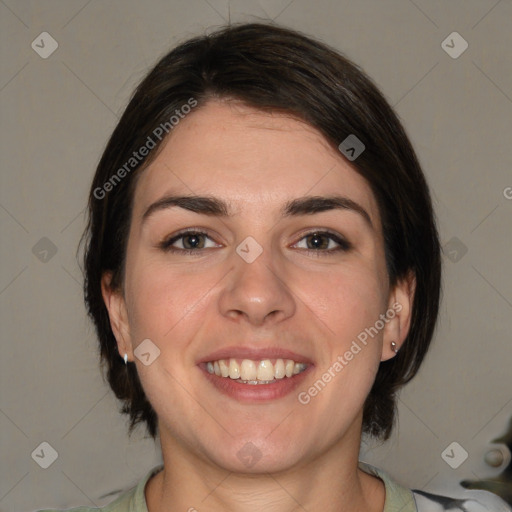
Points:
[(122, 504), (132, 500), (399, 498)]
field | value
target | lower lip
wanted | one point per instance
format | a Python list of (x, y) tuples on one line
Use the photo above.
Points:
[(256, 392)]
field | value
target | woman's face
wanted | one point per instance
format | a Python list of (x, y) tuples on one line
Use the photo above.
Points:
[(277, 255)]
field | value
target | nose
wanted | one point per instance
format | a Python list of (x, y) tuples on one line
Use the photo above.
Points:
[(256, 292)]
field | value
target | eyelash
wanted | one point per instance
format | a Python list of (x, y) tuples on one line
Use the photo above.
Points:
[(343, 245)]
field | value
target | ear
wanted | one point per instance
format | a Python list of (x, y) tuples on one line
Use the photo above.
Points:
[(116, 306), (399, 315)]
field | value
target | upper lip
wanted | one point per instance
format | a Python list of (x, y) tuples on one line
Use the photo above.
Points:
[(255, 354)]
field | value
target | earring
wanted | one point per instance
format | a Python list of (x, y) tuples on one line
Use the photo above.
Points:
[(393, 347), (125, 358)]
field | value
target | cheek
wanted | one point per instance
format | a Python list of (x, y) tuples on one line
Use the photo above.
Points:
[(160, 297), (166, 306), (345, 304), (346, 300)]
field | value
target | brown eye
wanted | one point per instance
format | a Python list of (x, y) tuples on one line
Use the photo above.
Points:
[(188, 241), (193, 241), (317, 241), (323, 242)]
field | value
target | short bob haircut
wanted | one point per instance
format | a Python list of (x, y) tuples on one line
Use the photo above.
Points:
[(272, 69)]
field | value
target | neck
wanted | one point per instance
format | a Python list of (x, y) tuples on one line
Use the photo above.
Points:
[(331, 481)]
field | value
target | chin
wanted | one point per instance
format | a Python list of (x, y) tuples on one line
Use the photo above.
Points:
[(253, 458), (256, 452)]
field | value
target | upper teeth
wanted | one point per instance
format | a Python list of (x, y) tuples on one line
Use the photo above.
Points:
[(249, 370)]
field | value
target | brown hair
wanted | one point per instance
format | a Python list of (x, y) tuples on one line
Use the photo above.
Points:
[(273, 69)]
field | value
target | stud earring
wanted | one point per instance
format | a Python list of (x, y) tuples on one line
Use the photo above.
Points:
[(125, 358), (393, 347)]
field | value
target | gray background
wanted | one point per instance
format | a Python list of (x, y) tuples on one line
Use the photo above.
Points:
[(57, 114)]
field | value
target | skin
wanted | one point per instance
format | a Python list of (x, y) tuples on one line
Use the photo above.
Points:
[(310, 301)]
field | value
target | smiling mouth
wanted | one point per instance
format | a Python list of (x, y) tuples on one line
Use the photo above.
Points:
[(255, 372)]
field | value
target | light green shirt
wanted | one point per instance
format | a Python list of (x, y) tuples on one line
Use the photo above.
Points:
[(398, 498)]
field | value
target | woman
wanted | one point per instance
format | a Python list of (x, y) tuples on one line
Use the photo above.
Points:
[(263, 270)]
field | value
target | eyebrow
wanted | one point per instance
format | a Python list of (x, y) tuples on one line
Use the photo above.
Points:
[(217, 207)]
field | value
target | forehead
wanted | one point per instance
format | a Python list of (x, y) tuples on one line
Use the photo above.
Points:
[(251, 159)]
